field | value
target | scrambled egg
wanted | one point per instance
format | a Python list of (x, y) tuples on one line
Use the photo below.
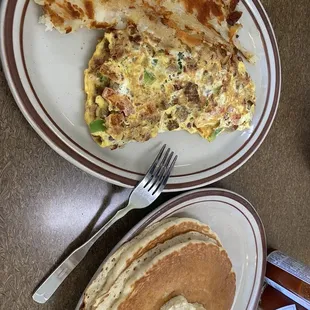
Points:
[(136, 89)]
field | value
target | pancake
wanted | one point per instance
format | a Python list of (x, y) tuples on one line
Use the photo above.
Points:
[(107, 300), (131, 251), (160, 234), (96, 286), (200, 271)]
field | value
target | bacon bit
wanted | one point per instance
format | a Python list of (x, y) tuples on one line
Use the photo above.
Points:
[(233, 18)]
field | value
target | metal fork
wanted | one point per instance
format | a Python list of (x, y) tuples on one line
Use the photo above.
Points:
[(147, 190)]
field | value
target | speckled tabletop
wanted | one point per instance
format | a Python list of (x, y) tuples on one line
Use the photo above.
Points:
[(48, 206)]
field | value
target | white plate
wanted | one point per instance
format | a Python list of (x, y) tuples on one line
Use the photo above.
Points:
[(238, 226), (45, 74)]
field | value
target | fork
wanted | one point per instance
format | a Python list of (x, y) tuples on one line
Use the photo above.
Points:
[(147, 190)]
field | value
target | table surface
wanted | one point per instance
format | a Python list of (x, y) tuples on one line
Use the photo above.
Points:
[(48, 206)]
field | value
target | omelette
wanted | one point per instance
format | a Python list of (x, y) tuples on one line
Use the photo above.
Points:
[(136, 89), (162, 65)]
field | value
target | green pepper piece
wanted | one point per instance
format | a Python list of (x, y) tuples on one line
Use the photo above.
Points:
[(154, 61), (97, 125), (179, 61), (216, 90), (215, 133), (148, 77), (102, 78)]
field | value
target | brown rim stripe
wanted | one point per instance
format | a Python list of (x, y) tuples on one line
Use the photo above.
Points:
[(167, 210), (113, 176)]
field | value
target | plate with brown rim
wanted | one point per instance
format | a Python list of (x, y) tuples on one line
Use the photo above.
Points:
[(45, 73), (238, 226)]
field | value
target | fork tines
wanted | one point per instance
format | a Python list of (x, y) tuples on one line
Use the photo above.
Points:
[(158, 174)]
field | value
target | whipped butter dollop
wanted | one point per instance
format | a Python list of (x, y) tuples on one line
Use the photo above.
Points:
[(180, 303)]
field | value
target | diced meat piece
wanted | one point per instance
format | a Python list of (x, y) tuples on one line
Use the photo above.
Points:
[(164, 105), (149, 113), (177, 86), (115, 123), (172, 125), (181, 113), (118, 101), (105, 70), (136, 38), (191, 65), (191, 92)]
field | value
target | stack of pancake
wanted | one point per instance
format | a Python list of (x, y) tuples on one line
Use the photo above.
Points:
[(178, 263)]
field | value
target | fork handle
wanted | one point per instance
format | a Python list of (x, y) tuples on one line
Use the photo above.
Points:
[(51, 284)]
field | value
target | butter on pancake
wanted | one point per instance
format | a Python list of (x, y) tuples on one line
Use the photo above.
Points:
[(200, 271), (180, 303)]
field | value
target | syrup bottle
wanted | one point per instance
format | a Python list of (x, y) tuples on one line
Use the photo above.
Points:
[(272, 299), (289, 276)]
